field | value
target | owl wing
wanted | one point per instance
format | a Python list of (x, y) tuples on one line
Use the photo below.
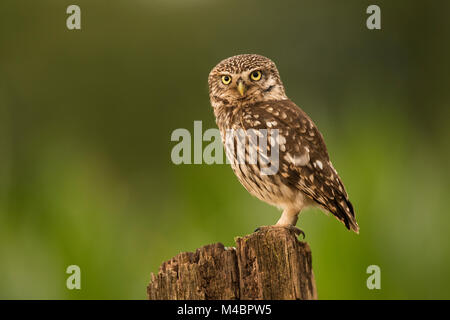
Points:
[(304, 161)]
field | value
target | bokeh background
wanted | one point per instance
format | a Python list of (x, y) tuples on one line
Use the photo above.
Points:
[(86, 117)]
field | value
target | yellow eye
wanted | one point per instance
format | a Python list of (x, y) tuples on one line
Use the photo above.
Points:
[(255, 75), (226, 79)]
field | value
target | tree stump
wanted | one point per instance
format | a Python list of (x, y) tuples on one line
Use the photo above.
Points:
[(268, 264)]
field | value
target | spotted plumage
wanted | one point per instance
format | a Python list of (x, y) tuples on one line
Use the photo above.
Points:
[(247, 94)]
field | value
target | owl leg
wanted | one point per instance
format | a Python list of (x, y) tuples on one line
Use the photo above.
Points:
[(289, 219)]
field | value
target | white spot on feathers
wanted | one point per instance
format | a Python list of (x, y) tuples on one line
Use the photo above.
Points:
[(318, 164), (298, 160)]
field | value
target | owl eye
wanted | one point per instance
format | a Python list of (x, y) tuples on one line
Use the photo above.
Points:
[(226, 79), (255, 75)]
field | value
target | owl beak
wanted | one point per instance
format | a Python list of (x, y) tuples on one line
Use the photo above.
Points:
[(241, 87)]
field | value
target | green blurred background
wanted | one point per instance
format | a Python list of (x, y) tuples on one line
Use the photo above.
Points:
[(86, 117)]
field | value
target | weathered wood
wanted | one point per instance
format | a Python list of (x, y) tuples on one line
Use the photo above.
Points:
[(269, 264)]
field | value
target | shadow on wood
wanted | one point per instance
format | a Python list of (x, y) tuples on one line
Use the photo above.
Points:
[(269, 264)]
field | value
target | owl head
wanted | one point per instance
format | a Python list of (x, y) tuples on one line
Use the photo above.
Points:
[(244, 79)]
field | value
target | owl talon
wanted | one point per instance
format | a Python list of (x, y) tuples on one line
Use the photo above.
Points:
[(262, 228), (297, 231)]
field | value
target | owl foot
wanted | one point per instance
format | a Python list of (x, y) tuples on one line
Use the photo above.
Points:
[(292, 228), (297, 231)]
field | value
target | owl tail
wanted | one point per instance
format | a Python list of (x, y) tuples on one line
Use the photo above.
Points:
[(345, 213)]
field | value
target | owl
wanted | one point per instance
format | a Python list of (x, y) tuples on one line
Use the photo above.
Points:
[(247, 95)]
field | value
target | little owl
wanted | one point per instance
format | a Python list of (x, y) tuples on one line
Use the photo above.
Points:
[(247, 94)]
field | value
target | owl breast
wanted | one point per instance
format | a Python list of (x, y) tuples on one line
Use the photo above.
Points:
[(252, 161), (267, 188)]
